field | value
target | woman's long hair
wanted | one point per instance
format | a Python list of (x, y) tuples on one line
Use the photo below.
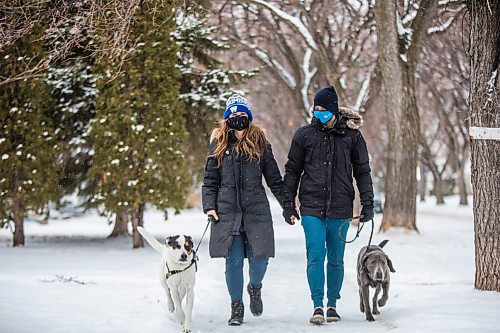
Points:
[(252, 144)]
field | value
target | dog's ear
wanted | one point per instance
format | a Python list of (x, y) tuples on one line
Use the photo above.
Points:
[(189, 239), (362, 267), (389, 263)]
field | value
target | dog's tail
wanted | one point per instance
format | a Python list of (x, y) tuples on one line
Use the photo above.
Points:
[(382, 243), (151, 239)]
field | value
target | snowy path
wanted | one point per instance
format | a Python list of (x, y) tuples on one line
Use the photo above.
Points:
[(432, 290)]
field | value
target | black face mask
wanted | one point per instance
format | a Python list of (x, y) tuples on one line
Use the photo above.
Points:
[(238, 123)]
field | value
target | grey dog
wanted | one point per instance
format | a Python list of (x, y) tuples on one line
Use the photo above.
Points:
[(373, 271)]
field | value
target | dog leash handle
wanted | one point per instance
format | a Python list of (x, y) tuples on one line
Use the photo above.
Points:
[(212, 219)]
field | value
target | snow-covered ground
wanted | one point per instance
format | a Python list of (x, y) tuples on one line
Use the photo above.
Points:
[(431, 291)]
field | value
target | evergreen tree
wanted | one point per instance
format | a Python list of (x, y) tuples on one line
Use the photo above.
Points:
[(28, 146), (139, 131), (73, 88), (205, 83)]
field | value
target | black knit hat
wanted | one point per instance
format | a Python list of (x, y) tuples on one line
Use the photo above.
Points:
[(327, 98)]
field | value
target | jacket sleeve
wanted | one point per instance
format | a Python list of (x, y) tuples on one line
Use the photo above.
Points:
[(211, 181), (272, 173), (361, 170), (293, 170)]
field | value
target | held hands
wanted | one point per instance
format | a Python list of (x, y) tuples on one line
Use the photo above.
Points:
[(366, 213), (212, 216), (290, 214)]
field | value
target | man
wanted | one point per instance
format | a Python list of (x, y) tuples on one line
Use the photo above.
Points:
[(324, 156)]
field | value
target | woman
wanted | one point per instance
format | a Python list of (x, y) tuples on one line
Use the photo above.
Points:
[(233, 194)]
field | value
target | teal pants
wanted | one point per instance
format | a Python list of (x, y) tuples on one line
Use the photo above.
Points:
[(322, 239)]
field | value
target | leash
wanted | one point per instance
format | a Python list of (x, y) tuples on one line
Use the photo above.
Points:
[(211, 219), (195, 256), (360, 227)]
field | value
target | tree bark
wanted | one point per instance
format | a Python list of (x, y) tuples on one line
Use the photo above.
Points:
[(137, 216), (485, 156), (422, 185), (438, 189), (121, 222), (433, 167), (462, 187), (18, 212), (403, 124)]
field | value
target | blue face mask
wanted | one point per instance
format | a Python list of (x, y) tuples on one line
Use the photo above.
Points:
[(323, 115)]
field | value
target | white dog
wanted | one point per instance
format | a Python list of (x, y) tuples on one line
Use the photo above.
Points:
[(177, 273)]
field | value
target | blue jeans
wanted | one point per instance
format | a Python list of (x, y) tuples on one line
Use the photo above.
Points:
[(234, 268), (322, 239)]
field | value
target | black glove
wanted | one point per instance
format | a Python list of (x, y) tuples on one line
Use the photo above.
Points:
[(212, 219), (288, 212), (366, 213)]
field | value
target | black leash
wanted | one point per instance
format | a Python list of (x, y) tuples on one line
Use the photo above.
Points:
[(211, 219), (195, 256), (360, 227)]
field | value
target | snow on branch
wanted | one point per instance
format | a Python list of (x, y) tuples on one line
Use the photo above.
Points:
[(308, 75), (405, 34), (359, 6), (280, 69), (363, 93), (448, 2), (441, 27), (291, 20)]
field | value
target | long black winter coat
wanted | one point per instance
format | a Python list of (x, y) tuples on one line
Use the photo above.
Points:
[(235, 191), (324, 161)]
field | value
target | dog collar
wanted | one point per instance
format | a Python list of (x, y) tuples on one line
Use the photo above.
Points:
[(177, 271)]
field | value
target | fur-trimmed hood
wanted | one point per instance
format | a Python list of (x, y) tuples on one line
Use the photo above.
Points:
[(354, 119), (350, 119)]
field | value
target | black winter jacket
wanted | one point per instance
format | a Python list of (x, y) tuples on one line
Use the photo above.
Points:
[(235, 191), (324, 161)]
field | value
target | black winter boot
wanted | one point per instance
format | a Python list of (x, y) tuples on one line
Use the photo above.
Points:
[(255, 299), (318, 317), (237, 313), (332, 315)]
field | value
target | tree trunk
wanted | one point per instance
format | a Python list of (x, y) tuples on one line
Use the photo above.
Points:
[(485, 156), (403, 124), (462, 187), (438, 189), (137, 216), (422, 185), (18, 211), (121, 222), (434, 168)]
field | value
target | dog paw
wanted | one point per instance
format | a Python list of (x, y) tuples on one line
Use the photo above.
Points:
[(186, 329), (171, 306), (370, 318), (376, 312), (382, 301)]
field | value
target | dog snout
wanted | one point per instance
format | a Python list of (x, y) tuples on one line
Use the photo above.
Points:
[(379, 275), (184, 256)]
